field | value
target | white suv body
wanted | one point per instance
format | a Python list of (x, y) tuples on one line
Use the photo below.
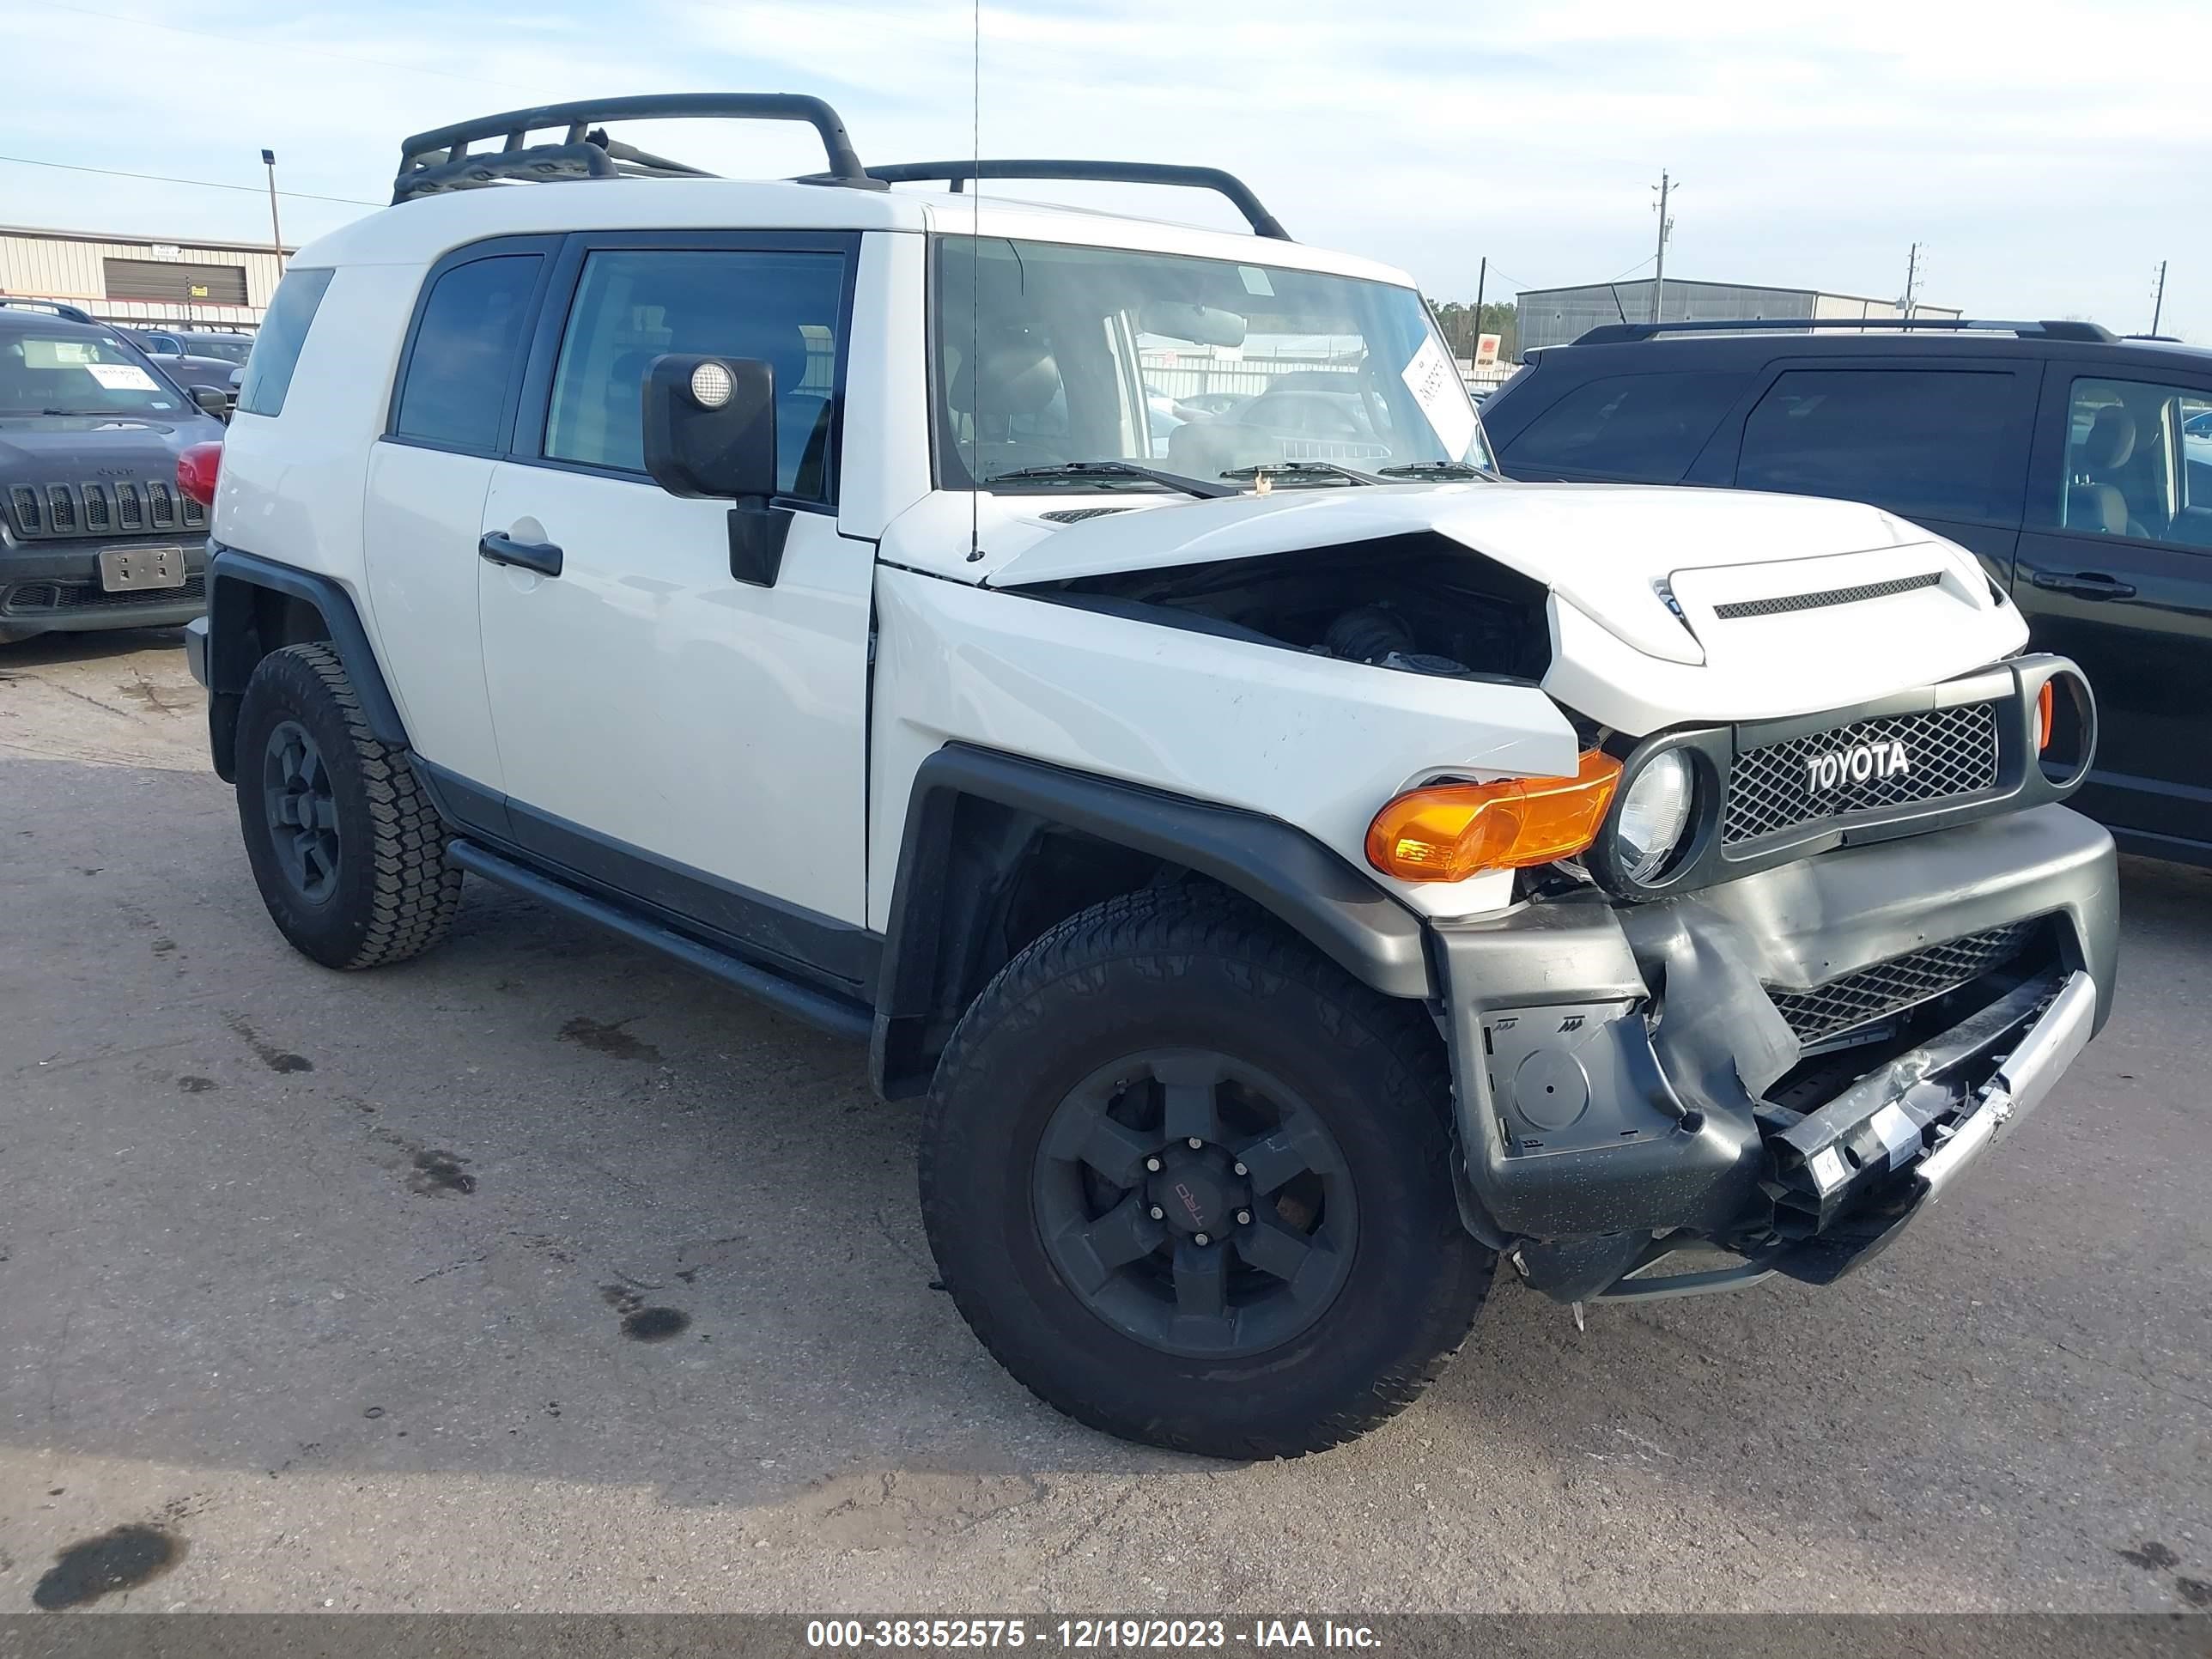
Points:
[(884, 775)]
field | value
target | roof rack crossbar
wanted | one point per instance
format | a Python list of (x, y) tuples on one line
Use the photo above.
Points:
[(439, 160), (2068, 328), (956, 174)]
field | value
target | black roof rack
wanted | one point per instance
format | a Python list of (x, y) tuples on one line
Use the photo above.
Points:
[(1618, 333), (438, 160), (68, 313), (956, 174)]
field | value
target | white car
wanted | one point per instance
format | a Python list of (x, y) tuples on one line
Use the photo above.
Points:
[(1292, 884)]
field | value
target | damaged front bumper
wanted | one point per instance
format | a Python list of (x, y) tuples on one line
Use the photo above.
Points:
[(1785, 1067)]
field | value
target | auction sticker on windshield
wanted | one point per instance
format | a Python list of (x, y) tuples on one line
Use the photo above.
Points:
[(121, 377), (1435, 384)]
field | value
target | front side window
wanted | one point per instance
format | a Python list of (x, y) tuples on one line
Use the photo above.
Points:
[(2138, 462), (467, 348), (277, 347), (1046, 354), (78, 371), (1930, 443), (1648, 427), (633, 305)]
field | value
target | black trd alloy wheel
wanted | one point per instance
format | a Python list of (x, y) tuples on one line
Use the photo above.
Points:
[(1189, 1182)]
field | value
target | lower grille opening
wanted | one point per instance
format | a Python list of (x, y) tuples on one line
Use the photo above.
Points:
[(1902, 982), (1851, 1025), (63, 598)]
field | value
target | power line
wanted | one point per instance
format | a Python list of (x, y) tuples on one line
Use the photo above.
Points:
[(202, 184), (285, 46)]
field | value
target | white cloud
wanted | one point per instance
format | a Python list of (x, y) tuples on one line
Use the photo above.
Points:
[(1815, 141)]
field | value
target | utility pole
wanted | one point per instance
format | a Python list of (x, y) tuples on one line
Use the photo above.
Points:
[(276, 231), (1481, 282), (2158, 306), (1912, 276), (1659, 274)]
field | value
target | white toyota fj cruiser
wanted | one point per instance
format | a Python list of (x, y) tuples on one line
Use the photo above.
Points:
[(1090, 660)]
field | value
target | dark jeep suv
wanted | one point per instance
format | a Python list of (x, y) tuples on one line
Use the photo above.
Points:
[(2076, 464), (93, 530)]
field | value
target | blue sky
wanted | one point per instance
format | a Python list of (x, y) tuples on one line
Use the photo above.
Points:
[(2047, 154)]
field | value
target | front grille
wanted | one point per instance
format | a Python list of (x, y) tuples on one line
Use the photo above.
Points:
[(1827, 595), (61, 599), (1892, 987), (46, 512), (1949, 752)]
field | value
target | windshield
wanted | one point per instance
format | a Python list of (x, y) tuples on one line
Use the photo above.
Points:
[(78, 374), (1049, 355)]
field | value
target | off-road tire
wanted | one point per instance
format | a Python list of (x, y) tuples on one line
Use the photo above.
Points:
[(394, 895), (1196, 966)]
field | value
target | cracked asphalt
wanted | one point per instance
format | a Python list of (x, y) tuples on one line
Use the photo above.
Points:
[(536, 1273)]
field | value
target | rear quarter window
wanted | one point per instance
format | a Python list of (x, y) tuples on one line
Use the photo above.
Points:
[(466, 352), (1928, 443), (1632, 425), (277, 347)]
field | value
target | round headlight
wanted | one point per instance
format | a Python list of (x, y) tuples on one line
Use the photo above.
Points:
[(1655, 813)]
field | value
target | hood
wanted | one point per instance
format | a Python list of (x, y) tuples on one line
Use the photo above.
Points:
[(76, 439), (1669, 604), (34, 447)]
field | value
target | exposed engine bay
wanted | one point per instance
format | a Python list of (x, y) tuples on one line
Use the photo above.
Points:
[(1419, 604)]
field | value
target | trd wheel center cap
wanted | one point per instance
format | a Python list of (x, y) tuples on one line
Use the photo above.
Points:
[(1197, 1192)]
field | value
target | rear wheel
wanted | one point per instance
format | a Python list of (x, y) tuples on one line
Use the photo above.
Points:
[(1190, 1182), (346, 850)]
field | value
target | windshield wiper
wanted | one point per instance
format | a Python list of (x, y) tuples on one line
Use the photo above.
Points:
[(77, 411), (1078, 472), (1435, 470), (1273, 471)]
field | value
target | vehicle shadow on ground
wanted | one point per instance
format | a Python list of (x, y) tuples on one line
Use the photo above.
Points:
[(539, 1206), (46, 650)]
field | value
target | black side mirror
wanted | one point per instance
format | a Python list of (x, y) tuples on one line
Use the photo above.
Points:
[(212, 400), (710, 431)]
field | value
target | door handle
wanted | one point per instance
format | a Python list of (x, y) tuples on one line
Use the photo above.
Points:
[(2089, 584), (543, 557)]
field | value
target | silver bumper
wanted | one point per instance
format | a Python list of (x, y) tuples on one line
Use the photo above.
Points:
[(2044, 1052)]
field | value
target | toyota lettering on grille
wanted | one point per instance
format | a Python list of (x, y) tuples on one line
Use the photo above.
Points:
[(1860, 763)]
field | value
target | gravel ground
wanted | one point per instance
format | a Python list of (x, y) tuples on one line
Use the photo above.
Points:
[(336, 1289)]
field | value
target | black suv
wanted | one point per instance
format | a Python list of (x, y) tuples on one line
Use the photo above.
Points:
[(93, 530), (2076, 464)]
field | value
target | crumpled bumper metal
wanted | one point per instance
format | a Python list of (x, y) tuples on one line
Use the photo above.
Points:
[(1613, 1062)]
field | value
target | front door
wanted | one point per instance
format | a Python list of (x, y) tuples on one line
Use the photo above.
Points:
[(2116, 572), (666, 730)]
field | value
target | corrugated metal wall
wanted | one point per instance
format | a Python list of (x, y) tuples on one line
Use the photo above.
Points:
[(44, 265), (1555, 316)]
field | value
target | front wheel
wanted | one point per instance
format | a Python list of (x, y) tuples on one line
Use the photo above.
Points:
[(1190, 1182)]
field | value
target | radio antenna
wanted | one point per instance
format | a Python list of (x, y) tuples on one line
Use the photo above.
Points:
[(975, 281)]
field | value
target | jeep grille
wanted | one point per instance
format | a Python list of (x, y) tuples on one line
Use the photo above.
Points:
[(50, 512), (1952, 752)]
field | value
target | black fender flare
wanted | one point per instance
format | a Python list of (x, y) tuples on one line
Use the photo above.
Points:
[(234, 644), (1308, 886)]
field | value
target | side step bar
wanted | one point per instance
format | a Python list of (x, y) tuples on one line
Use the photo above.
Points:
[(840, 1016)]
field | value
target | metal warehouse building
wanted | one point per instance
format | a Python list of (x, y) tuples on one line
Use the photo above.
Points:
[(1553, 316), (138, 279)]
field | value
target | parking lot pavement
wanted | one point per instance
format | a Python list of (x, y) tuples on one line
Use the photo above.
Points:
[(536, 1273)]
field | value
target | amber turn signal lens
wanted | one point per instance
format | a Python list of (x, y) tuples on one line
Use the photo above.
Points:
[(1448, 831), (2043, 717)]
